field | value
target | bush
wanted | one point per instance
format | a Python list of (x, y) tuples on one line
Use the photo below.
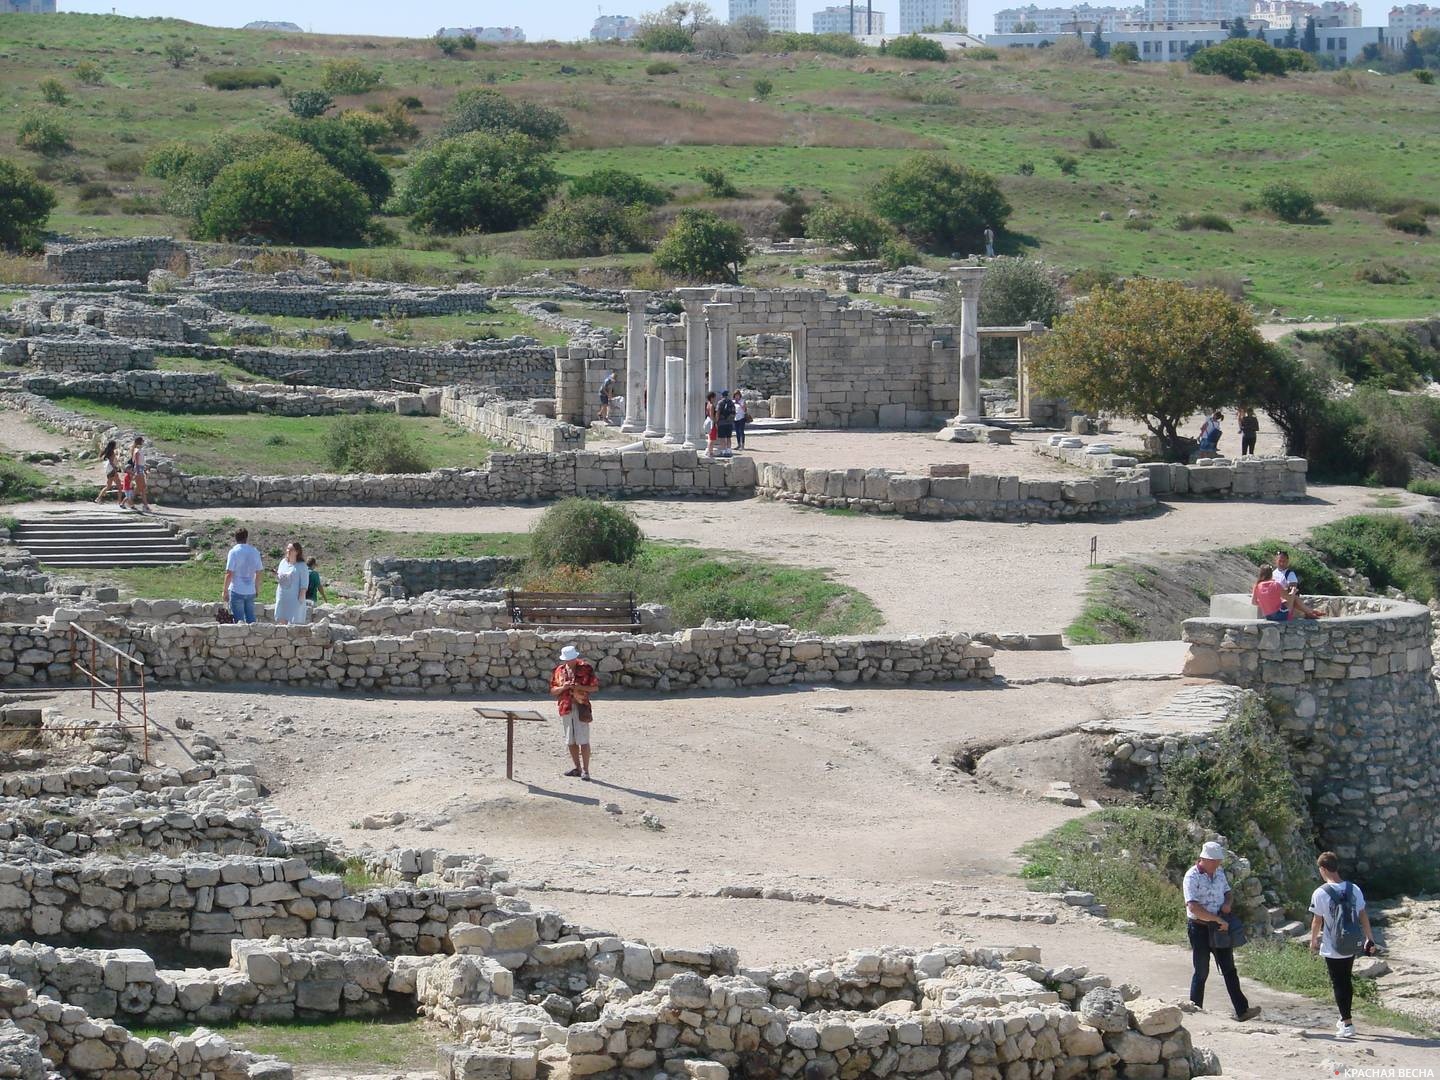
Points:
[(1382, 273), (343, 150), (372, 443), (240, 79), (980, 52), (42, 134), (410, 103), (661, 67), (897, 252), (915, 47), (1288, 201), (1026, 168), (1370, 354), (308, 104), (832, 44), (619, 186), (54, 92), (1352, 189), (667, 38), (589, 225), (126, 165), (795, 210), (1125, 52), (477, 182), (25, 205), (583, 532), (1239, 59), (1224, 281), (860, 231), (1208, 221), (349, 77), (1068, 164), (88, 73), (1409, 221), (93, 192), (1429, 488), (1138, 224), (763, 88), (492, 112), (1389, 550), (1426, 76), (1017, 291), (177, 52), (940, 205), (717, 184), (1099, 140), (701, 246), (290, 196)]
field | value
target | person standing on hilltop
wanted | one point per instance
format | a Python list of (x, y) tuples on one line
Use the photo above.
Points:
[(572, 682)]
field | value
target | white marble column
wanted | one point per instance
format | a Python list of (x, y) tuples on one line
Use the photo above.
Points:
[(674, 400), (717, 328), (654, 387), (968, 280), (696, 384), (635, 358)]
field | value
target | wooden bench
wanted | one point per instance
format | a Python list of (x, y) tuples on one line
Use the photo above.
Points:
[(578, 611)]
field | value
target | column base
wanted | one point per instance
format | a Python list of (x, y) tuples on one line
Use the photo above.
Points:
[(652, 433), (631, 427)]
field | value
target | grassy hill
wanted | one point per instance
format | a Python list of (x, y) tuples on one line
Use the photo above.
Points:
[(1182, 143)]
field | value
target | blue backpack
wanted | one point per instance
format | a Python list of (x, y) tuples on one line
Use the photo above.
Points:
[(1349, 937)]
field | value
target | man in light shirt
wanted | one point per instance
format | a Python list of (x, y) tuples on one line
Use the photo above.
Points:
[(1288, 580), (243, 568), (1207, 903)]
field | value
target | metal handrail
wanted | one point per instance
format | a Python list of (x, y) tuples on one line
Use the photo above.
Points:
[(98, 683)]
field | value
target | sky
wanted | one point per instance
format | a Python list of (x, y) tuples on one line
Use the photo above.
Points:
[(564, 20)]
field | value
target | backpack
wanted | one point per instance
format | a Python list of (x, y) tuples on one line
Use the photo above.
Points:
[(1349, 938), (726, 409)]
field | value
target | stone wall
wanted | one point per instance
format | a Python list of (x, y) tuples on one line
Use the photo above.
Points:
[(515, 423), (360, 300), (195, 391), (129, 259), (1000, 498), (1359, 706), (517, 368), (392, 577), (86, 354), (1240, 478)]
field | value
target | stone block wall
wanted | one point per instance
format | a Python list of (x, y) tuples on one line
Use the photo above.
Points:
[(515, 423), (87, 354), (392, 577), (129, 259), (359, 300), (1359, 708), (518, 368), (1222, 478), (208, 391), (998, 498)]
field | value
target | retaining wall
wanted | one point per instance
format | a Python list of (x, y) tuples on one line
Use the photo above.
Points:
[(391, 577), (129, 259), (515, 423), (351, 301), (516, 370), (86, 354), (1241, 478), (208, 391)]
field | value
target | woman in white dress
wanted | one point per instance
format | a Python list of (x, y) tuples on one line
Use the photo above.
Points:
[(292, 576)]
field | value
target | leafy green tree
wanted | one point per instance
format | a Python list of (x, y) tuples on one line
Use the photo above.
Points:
[(717, 184), (622, 187), (852, 227), (348, 76), (1098, 44), (492, 112), (665, 39), (1411, 58), (289, 196), (177, 52), (1288, 201), (1124, 52), (702, 246), (344, 150), (1156, 351), (1239, 59), (477, 182), (590, 225), (1310, 40), (1238, 29), (915, 47), (940, 204), (1292, 39), (25, 205), (42, 133), (794, 211), (308, 104), (1016, 291)]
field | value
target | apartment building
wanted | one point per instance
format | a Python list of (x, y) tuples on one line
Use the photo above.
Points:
[(917, 15), (1059, 20), (836, 20), (777, 14)]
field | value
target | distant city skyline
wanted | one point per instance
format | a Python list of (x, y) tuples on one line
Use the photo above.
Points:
[(564, 20)]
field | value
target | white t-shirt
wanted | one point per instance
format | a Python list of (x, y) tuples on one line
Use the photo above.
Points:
[(243, 563), (1286, 578), (1322, 903)]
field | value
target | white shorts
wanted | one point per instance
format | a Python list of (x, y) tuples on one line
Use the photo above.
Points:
[(577, 732)]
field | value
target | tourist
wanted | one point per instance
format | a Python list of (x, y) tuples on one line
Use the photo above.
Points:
[(1207, 907), (243, 567), (314, 587), (1249, 430), (1290, 582), (111, 456), (742, 419), (725, 422), (1340, 920), (137, 458), (989, 242), (1210, 432), (1269, 595), (572, 682), (711, 433), (292, 576), (127, 486), (607, 389)]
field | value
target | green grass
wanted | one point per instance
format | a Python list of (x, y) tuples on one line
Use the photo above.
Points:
[(217, 444), (1292, 967), (1316, 578), (1101, 622), (1428, 488), (1387, 502), (229, 371), (20, 482), (1388, 550), (392, 1043)]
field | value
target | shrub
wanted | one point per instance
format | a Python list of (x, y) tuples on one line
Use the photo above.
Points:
[(447, 45), (1125, 52), (177, 52), (1208, 221), (661, 67), (1408, 221), (308, 104), (702, 246), (583, 532), (1232, 285), (43, 134), (54, 92), (349, 77), (25, 205), (1288, 201), (833, 44), (763, 88), (1426, 76), (915, 47), (1026, 168), (620, 186), (795, 210), (939, 204), (666, 38), (1382, 273), (371, 129), (980, 52), (1017, 291), (1373, 354), (1429, 488), (1351, 189), (343, 150), (477, 182), (1138, 224), (1068, 164), (1388, 550), (492, 112), (1239, 59), (896, 252), (1099, 140), (290, 196), (240, 79), (409, 102), (589, 225), (717, 184), (856, 229), (93, 192), (126, 165), (372, 443), (88, 73)]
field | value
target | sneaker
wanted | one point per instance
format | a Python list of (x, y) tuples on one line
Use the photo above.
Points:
[(572, 772), (1249, 1014), (1344, 1030)]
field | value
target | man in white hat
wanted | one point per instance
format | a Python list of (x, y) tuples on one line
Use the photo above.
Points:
[(571, 683), (1207, 903)]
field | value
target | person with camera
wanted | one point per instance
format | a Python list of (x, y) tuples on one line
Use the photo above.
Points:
[(572, 682), (1211, 928), (1339, 931)]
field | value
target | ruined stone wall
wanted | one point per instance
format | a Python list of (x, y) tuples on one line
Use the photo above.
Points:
[(86, 354), (197, 391), (1241, 478), (129, 259), (1359, 708), (516, 370), (392, 577), (515, 423), (352, 301)]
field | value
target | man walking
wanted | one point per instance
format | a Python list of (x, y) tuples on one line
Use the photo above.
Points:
[(243, 568), (1340, 920), (1207, 903), (571, 683)]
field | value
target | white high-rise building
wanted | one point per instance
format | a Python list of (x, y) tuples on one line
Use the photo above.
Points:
[(1191, 11), (778, 14), (1406, 20), (1059, 20), (836, 20), (614, 28), (918, 15), (1283, 14)]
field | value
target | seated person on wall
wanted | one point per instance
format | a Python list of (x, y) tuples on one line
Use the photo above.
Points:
[(1269, 596), (1290, 582), (1210, 433)]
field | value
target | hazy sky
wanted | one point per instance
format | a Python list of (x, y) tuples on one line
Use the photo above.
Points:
[(562, 19)]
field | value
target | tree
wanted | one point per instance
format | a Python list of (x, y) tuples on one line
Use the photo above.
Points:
[(25, 205), (1410, 56), (1124, 52), (290, 196), (859, 231), (915, 47), (1098, 43), (491, 111), (791, 220), (702, 246), (176, 53), (1239, 59), (477, 182), (1238, 29), (308, 104), (344, 150), (625, 188), (717, 184), (1292, 39), (590, 225), (1288, 201), (672, 28), (1015, 291), (1310, 40), (1157, 351), (940, 204)]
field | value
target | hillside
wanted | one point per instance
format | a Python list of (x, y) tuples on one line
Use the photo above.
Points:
[(1183, 143)]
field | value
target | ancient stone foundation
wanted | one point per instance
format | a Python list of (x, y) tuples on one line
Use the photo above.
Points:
[(1240, 478), (515, 423), (114, 260)]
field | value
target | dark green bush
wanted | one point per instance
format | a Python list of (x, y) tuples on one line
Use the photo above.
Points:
[(372, 443), (349, 77), (491, 112), (590, 225), (308, 104), (915, 47), (939, 204), (1208, 221), (661, 67), (1373, 354), (344, 150), (289, 196), (717, 184), (1240, 59), (1288, 201), (1382, 273), (1389, 550), (667, 38), (896, 252), (701, 246), (834, 44), (620, 186), (240, 79), (1409, 221), (1125, 52), (856, 229), (763, 88), (88, 73), (477, 182), (1068, 164), (1316, 578), (1099, 140), (25, 205), (583, 532), (54, 92), (1426, 76)]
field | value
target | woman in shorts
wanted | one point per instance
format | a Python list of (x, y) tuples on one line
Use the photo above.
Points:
[(137, 459), (111, 457), (1269, 596)]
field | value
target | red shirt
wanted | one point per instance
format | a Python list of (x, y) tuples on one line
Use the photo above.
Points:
[(1268, 596), (581, 674)]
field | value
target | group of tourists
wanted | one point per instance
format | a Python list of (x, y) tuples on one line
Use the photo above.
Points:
[(1277, 592), (297, 583), (127, 480), (1211, 430), (726, 418)]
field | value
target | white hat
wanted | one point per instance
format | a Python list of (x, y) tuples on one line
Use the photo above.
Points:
[(569, 652), (1213, 849)]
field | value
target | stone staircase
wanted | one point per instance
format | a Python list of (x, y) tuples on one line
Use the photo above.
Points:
[(100, 538)]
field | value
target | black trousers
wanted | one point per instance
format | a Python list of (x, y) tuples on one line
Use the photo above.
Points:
[(1341, 983), (1247, 444), (1200, 953), (740, 426)]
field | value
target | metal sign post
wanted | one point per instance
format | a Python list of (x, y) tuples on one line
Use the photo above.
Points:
[(509, 716)]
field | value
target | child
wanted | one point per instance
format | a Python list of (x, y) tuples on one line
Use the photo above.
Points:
[(127, 486)]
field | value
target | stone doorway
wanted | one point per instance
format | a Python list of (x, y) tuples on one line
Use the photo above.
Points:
[(771, 360)]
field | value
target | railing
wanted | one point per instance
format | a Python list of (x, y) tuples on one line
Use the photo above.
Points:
[(101, 652)]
